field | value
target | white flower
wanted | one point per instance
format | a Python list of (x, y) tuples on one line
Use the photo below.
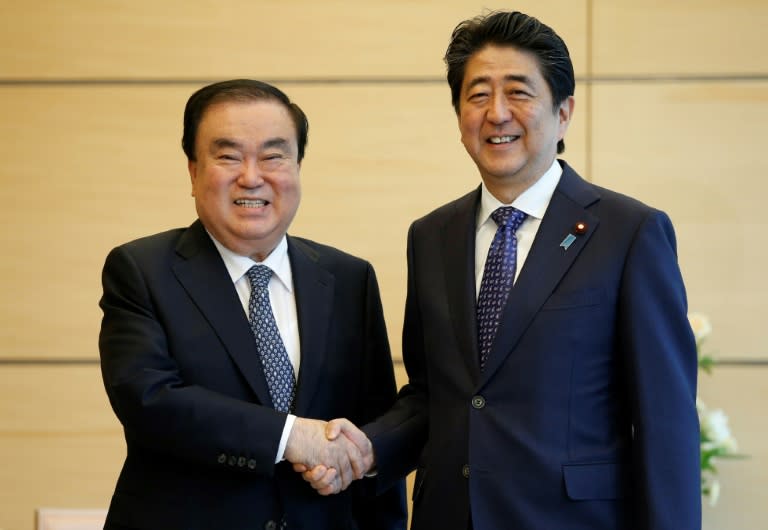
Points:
[(713, 491), (715, 434), (714, 423), (700, 325)]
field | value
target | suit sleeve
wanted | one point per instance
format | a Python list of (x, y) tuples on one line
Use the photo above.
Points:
[(661, 368), (378, 508), (160, 411), (399, 436)]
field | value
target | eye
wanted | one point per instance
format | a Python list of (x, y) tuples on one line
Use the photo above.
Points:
[(273, 161), (519, 93)]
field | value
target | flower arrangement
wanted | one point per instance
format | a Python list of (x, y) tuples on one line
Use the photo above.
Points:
[(716, 438)]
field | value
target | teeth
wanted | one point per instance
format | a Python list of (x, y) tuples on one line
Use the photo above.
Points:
[(501, 139), (255, 203)]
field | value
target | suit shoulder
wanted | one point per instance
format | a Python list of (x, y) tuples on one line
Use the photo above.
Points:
[(325, 254), (449, 209), (151, 248), (625, 214), (588, 194), (599, 198), (155, 243), (619, 205)]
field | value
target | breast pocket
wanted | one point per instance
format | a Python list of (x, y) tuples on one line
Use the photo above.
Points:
[(574, 299)]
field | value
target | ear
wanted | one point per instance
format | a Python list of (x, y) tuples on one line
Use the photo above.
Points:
[(565, 113), (192, 168)]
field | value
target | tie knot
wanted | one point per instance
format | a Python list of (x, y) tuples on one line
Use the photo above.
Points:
[(508, 216), (259, 276)]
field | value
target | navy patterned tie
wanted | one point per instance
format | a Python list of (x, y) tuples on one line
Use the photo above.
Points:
[(497, 279), (274, 359)]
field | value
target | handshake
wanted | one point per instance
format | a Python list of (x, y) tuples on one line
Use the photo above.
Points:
[(329, 455)]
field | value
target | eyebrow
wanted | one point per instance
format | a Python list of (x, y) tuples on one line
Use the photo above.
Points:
[(279, 143), (221, 143), (509, 77)]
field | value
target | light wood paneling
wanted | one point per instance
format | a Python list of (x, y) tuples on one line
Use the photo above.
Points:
[(86, 167), (89, 168), (741, 393), (704, 37), (82, 170), (269, 38), (693, 150), (60, 443)]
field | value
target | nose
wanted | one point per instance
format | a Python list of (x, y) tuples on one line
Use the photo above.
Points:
[(250, 176), (498, 110)]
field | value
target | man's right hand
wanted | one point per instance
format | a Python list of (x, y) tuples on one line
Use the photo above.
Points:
[(326, 479), (328, 461)]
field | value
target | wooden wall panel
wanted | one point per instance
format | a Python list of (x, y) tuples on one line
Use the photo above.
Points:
[(741, 393), (82, 170), (89, 168), (684, 37), (60, 444), (269, 38), (692, 150), (86, 166)]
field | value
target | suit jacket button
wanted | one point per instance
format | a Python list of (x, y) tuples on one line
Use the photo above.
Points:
[(465, 470), (270, 525), (478, 402), (252, 463), (232, 460), (241, 461), (222, 459)]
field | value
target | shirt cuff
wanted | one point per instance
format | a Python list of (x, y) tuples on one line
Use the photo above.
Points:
[(284, 438)]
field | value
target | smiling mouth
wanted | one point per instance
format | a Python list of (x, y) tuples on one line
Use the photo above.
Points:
[(502, 139), (251, 203)]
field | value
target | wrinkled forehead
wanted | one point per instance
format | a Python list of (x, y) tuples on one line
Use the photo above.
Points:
[(251, 122)]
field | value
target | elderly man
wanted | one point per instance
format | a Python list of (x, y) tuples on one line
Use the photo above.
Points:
[(226, 344)]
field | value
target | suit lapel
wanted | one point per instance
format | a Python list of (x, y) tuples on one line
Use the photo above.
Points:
[(546, 263), (459, 259), (204, 276), (314, 291)]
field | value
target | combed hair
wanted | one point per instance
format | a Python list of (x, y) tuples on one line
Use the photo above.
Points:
[(517, 30), (242, 90)]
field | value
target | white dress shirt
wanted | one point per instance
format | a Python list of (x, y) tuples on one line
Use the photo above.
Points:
[(533, 201), (283, 302)]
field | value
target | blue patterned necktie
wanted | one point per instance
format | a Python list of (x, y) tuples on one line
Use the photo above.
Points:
[(497, 279), (278, 369)]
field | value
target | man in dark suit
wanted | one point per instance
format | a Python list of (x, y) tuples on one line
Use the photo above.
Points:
[(552, 370), (198, 357)]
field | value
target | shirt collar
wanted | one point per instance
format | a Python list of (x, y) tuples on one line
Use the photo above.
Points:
[(277, 260), (533, 201)]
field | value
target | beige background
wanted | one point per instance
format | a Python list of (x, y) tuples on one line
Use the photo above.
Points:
[(671, 102)]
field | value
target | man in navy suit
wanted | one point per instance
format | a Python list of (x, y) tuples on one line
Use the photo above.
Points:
[(207, 447), (582, 413)]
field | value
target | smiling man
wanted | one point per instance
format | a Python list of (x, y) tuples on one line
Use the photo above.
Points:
[(552, 370), (226, 345)]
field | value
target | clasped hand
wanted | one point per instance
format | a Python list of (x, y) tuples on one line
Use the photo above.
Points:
[(329, 455)]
